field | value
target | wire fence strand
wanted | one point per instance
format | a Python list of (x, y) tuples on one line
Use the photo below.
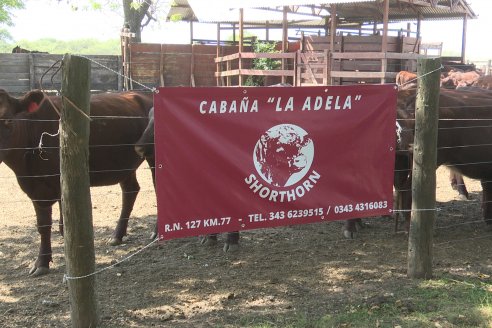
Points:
[(438, 209)]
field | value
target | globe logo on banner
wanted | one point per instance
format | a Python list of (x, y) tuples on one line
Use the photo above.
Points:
[(283, 155)]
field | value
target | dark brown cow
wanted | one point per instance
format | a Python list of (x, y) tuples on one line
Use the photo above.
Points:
[(24, 123), (464, 135), (19, 50), (408, 80)]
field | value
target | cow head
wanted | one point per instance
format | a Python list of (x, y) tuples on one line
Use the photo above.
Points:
[(10, 110), (406, 120)]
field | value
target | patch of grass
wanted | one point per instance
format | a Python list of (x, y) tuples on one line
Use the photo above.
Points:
[(444, 302)]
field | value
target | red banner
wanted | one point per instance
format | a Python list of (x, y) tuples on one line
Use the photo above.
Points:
[(230, 159)]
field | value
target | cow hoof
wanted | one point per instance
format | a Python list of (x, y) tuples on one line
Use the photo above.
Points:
[(36, 272), (207, 241), (361, 225), (463, 197), (113, 241), (230, 248), (348, 234)]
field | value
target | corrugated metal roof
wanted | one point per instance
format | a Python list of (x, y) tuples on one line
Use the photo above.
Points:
[(313, 13)]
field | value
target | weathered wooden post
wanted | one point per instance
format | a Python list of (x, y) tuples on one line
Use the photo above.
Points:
[(424, 170), (76, 201)]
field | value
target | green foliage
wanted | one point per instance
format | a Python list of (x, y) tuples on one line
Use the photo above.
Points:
[(262, 63), (5, 35), (6, 6), (80, 46), (94, 4), (176, 18)]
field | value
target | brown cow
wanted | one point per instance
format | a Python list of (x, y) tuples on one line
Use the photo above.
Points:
[(464, 135), (112, 158), (406, 80)]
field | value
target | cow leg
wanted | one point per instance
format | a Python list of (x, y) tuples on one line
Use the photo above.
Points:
[(43, 218), (487, 203), (461, 187), (60, 223), (130, 189), (209, 240), (151, 163), (349, 228), (403, 204), (403, 187), (154, 233), (452, 180), (232, 242)]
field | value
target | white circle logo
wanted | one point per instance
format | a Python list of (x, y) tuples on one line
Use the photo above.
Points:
[(283, 155)]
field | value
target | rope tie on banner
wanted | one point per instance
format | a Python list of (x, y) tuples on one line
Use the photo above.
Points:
[(399, 129)]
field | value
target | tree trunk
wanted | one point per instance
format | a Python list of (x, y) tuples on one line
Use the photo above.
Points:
[(134, 17)]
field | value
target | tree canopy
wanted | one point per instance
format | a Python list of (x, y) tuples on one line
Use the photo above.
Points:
[(6, 7), (137, 13)]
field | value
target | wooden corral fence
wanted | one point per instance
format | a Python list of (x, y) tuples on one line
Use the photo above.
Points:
[(22, 72), (350, 60), (357, 59), (174, 64), (485, 66), (239, 65)]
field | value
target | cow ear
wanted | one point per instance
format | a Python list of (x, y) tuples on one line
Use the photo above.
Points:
[(31, 101)]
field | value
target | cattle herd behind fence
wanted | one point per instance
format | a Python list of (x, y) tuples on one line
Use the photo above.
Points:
[(22, 72)]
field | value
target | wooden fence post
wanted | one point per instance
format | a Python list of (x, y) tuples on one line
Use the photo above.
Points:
[(424, 170), (76, 201)]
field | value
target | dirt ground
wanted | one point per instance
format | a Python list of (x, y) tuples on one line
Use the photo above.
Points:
[(296, 271)]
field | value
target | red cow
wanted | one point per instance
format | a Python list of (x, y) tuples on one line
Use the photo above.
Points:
[(23, 123), (464, 135)]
